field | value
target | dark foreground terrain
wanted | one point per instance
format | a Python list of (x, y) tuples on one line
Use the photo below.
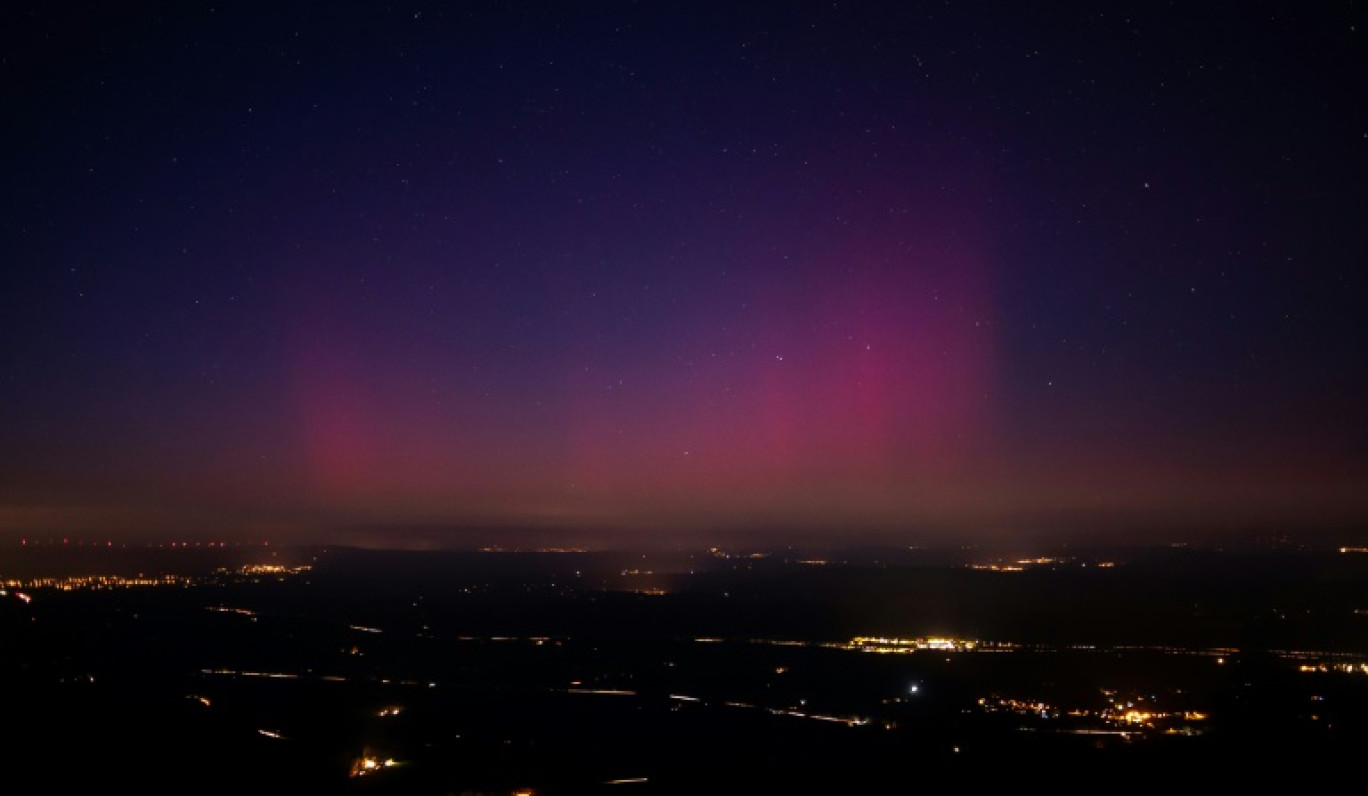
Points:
[(355, 671)]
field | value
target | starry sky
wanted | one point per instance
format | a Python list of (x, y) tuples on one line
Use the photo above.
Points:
[(387, 273)]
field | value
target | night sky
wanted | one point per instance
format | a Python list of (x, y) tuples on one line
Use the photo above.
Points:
[(379, 273)]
